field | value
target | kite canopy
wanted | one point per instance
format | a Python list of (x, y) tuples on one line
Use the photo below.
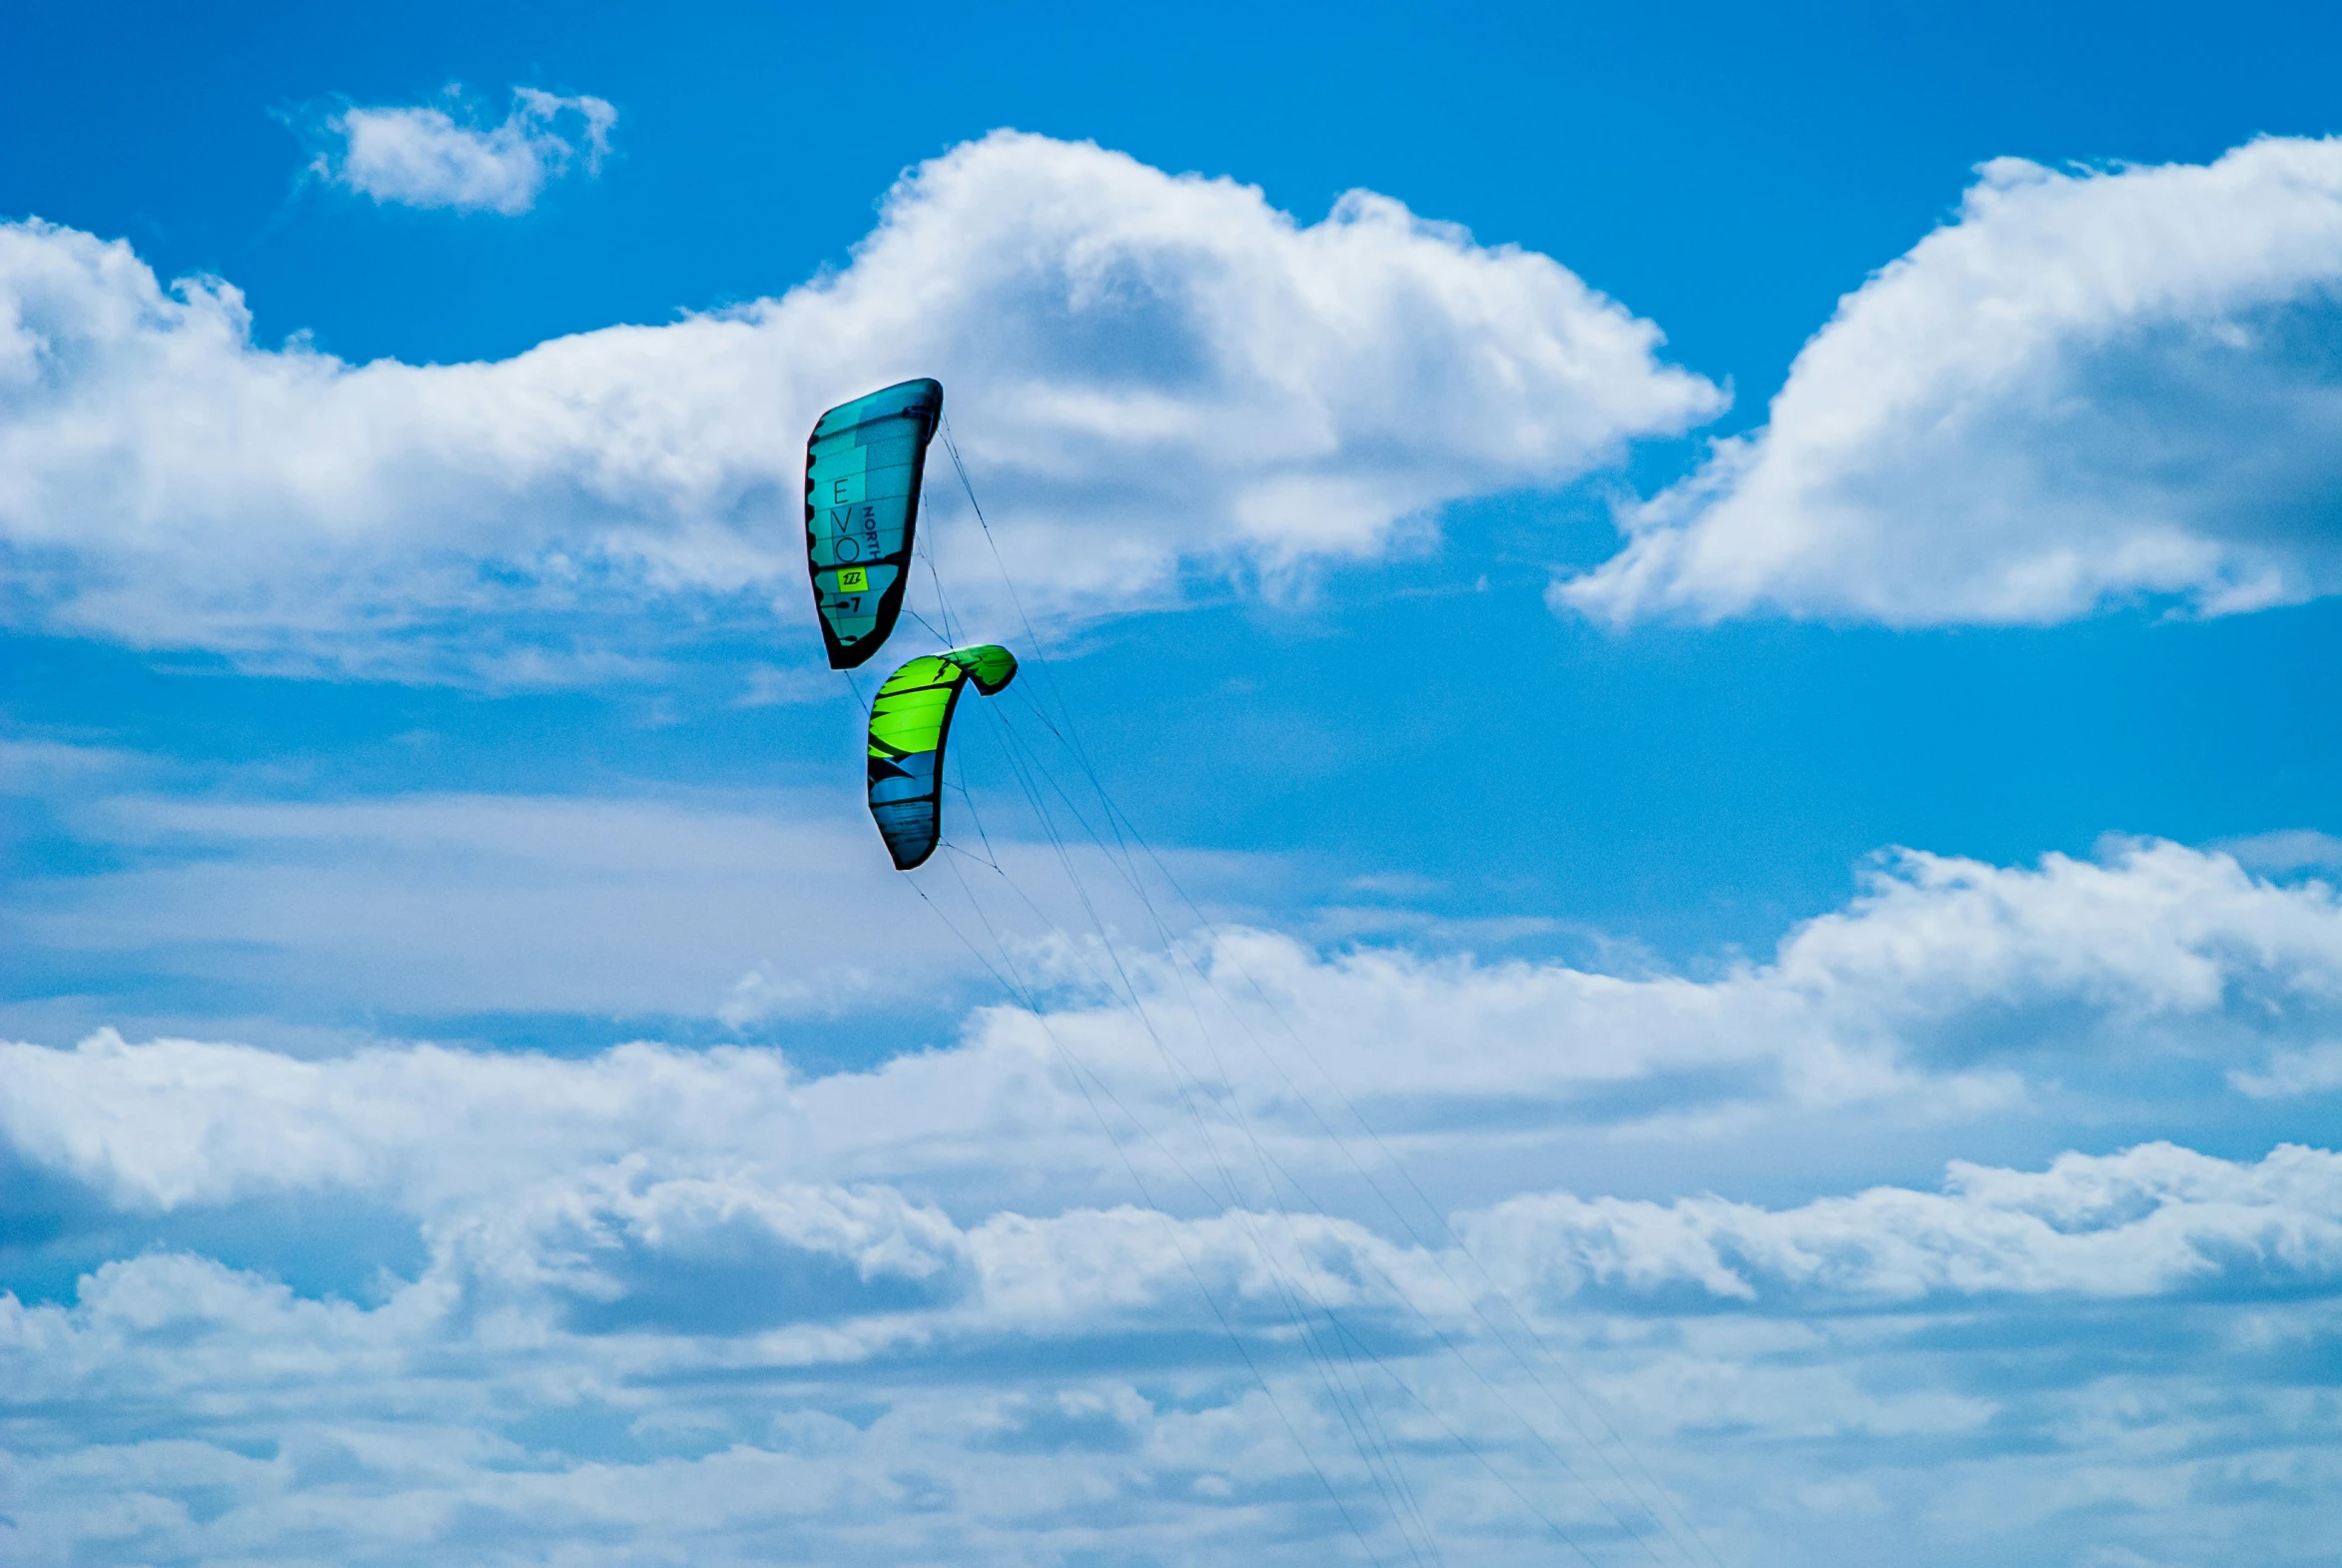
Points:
[(863, 464), (909, 723)]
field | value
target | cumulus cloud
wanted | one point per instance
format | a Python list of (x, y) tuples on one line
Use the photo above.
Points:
[(2150, 1219), (1940, 990), (424, 156), (2091, 387), (1949, 989), (1150, 375), (637, 1351), (1077, 1283), (552, 1174)]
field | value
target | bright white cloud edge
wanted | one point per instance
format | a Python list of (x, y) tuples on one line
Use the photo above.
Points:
[(2091, 387)]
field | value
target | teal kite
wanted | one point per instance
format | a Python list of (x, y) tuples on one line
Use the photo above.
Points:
[(863, 464), (909, 723)]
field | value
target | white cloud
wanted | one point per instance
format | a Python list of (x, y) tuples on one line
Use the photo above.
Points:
[(1946, 989), (678, 1347), (741, 907), (2150, 1219), (2286, 850), (666, 1301), (547, 1175), (2311, 1070), (1150, 375), (2090, 388), (422, 156), (628, 1300), (1949, 992)]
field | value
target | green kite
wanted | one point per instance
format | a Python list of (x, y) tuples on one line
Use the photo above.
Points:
[(909, 723)]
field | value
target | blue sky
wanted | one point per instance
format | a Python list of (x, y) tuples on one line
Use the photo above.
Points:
[(1714, 628)]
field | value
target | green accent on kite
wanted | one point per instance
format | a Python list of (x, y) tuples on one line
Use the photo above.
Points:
[(910, 722), (863, 467)]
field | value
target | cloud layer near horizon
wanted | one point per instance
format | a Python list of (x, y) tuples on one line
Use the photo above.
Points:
[(1150, 375), (987, 1300), (729, 913), (2091, 387)]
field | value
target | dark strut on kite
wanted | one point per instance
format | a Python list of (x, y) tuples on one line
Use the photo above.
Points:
[(863, 464)]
